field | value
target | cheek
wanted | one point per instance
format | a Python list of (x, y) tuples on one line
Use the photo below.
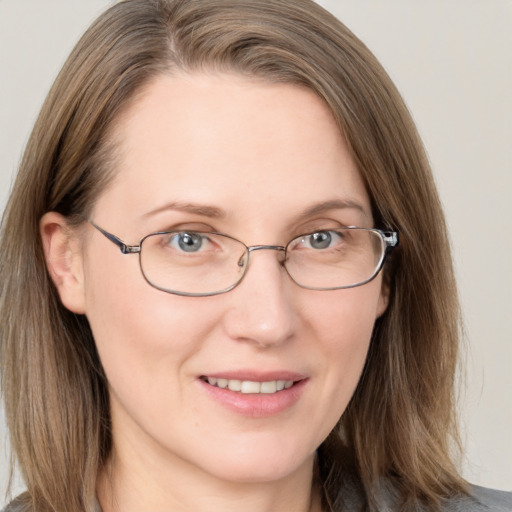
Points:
[(342, 327), (344, 319), (139, 331)]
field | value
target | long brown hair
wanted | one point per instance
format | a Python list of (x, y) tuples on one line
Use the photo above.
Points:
[(399, 429)]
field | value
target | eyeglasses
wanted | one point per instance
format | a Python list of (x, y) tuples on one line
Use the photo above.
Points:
[(197, 264)]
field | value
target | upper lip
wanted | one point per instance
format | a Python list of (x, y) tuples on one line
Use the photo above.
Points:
[(256, 375)]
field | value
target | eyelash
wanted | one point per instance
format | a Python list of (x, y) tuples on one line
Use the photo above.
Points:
[(311, 226), (320, 225)]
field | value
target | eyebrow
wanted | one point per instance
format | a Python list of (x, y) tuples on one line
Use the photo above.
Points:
[(333, 204), (197, 209), (217, 213)]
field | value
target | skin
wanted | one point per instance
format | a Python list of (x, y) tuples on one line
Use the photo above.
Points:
[(261, 154)]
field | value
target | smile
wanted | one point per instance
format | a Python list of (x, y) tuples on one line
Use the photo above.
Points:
[(255, 394), (248, 386)]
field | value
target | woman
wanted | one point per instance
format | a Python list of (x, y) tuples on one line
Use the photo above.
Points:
[(234, 278)]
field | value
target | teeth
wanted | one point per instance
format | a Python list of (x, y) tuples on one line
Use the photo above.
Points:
[(251, 387), (269, 387), (235, 385)]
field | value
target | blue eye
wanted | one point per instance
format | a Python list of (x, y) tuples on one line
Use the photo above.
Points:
[(321, 239), (187, 242)]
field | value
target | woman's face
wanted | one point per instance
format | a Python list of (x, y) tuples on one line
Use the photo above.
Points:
[(262, 163)]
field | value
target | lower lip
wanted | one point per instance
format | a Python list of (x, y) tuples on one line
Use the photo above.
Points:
[(259, 405)]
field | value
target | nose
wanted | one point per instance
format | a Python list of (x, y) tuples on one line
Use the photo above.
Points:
[(262, 309)]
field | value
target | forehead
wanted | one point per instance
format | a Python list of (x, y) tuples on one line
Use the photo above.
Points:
[(244, 146)]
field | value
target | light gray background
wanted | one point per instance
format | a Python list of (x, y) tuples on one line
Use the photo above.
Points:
[(452, 62)]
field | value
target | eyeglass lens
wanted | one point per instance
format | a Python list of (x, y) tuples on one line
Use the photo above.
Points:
[(196, 263)]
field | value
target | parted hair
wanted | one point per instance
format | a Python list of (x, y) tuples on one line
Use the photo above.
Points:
[(399, 429)]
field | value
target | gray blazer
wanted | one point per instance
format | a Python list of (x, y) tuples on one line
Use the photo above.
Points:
[(482, 500)]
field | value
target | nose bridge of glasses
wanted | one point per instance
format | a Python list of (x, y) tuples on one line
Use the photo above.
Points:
[(244, 261), (266, 248)]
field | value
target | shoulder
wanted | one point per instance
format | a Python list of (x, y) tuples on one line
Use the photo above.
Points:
[(22, 503), (15, 506), (481, 499)]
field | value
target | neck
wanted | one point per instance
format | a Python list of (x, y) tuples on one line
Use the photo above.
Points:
[(143, 487)]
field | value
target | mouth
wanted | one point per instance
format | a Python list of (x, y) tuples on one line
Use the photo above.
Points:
[(255, 394), (268, 387)]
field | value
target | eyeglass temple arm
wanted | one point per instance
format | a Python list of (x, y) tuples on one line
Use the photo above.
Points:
[(125, 248)]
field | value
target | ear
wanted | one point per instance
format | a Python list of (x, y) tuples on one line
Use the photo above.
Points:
[(63, 260), (383, 302)]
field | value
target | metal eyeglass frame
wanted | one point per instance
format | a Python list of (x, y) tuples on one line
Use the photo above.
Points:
[(390, 239)]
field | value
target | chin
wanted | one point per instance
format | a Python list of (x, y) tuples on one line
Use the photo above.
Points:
[(254, 474), (261, 464)]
